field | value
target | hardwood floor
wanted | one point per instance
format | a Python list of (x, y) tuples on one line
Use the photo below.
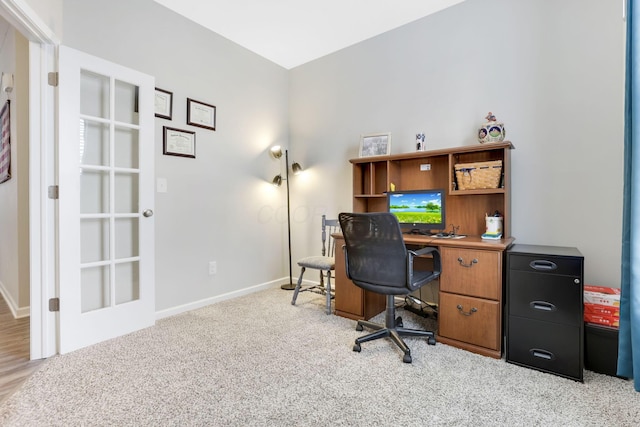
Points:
[(15, 366)]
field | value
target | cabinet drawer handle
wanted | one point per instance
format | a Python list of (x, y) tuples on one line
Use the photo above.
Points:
[(542, 354), (542, 305), (466, 313), (543, 265), (473, 261)]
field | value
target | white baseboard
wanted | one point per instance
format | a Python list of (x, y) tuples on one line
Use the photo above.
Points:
[(18, 312), (208, 301)]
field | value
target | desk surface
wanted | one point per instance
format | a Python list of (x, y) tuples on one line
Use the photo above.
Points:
[(467, 242)]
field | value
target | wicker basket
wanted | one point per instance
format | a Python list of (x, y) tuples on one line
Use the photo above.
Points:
[(473, 176)]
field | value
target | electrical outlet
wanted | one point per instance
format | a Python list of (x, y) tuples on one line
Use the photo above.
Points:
[(213, 268)]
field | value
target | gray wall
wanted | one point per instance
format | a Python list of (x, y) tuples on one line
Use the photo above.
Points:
[(219, 206), (553, 71)]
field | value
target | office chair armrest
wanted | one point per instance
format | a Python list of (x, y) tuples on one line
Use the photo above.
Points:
[(346, 262), (425, 251)]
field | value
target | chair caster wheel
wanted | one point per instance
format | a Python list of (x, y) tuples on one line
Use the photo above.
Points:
[(431, 341), (406, 358), (399, 322), (359, 327), (356, 347)]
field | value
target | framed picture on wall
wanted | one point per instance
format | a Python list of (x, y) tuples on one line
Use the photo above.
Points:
[(201, 114), (178, 142), (164, 104), (5, 143), (375, 144)]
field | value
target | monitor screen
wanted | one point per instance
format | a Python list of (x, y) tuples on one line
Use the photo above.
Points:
[(419, 210)]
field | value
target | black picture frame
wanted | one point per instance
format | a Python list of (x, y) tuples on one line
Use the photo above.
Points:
[(178, 142), (201, 114), (163, 104)]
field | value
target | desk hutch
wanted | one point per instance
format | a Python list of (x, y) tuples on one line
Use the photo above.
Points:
[(471, 283)]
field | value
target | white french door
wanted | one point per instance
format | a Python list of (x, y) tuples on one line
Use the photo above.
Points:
[(106, 196)]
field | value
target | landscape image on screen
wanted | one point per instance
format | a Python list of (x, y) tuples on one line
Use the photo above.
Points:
[(419, 208)]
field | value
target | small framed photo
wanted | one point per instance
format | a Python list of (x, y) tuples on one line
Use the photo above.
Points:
[(375, 144), (178, 142), (164, 104), (201, 114)]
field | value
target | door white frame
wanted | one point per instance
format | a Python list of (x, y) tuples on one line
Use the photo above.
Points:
[(42, 151)]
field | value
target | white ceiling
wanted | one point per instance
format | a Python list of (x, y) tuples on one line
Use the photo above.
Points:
[(293, 32)]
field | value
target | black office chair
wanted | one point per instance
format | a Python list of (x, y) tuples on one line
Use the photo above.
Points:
[(377, 260)]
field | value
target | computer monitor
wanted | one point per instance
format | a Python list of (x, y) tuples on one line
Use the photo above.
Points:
[(418, 211)]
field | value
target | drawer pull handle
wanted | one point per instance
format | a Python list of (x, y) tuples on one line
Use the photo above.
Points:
[(542, 305), (542, 354), (467, 313), (473, 261), (543, 265)]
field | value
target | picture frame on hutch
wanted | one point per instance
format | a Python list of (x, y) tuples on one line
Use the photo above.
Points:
[(375, 144)]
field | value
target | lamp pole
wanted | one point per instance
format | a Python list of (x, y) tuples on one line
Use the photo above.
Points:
[(288, 286)]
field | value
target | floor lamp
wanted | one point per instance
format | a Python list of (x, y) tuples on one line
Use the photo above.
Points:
[(276, 152)]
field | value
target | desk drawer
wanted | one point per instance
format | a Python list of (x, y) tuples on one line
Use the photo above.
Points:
[(547, 346), (471, 320), (471, 272)]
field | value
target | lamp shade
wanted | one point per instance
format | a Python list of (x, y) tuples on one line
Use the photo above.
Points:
[(276, 151), (277, 180), (296, 168)]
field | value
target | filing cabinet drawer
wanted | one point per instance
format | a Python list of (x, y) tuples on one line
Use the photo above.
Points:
[(547, 297), (471, 272), (550, 347), (546, 264), (471, 320)]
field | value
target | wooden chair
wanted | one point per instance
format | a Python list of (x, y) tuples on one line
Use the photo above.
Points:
[(324, 263)]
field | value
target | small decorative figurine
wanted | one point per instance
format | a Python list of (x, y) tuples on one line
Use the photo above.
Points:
[(491, 131), (420, 146)]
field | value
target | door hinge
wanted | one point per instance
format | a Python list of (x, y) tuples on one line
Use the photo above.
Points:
[(53, 78), (54, 192), (54, 304)]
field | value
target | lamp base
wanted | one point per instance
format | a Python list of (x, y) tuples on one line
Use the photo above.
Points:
[(288, 286)]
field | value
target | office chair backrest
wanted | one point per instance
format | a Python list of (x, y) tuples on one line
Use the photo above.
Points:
[(376, 252)]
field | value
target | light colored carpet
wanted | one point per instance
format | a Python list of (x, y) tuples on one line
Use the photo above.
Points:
[(259, 361)]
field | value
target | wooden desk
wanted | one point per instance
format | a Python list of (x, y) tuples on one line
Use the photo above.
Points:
[(471, 291)]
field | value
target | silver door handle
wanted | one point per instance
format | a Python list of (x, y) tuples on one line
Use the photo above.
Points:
[(147, 213)]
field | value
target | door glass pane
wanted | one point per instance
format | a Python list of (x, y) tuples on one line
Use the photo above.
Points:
[(94, 288), (126, 188), (94, 143), (127, 282), (94, 94), (126, 102), (126, 148), (94, 191), (94, 240), (126, 237)]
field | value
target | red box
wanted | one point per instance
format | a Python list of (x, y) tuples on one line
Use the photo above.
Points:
[(600, 319), (605, 310), (602, 289)]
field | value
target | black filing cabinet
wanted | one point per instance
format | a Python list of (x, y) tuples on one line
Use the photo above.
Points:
[(544, 303)]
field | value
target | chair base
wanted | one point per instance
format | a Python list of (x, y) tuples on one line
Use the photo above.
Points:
[(393, 329)]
